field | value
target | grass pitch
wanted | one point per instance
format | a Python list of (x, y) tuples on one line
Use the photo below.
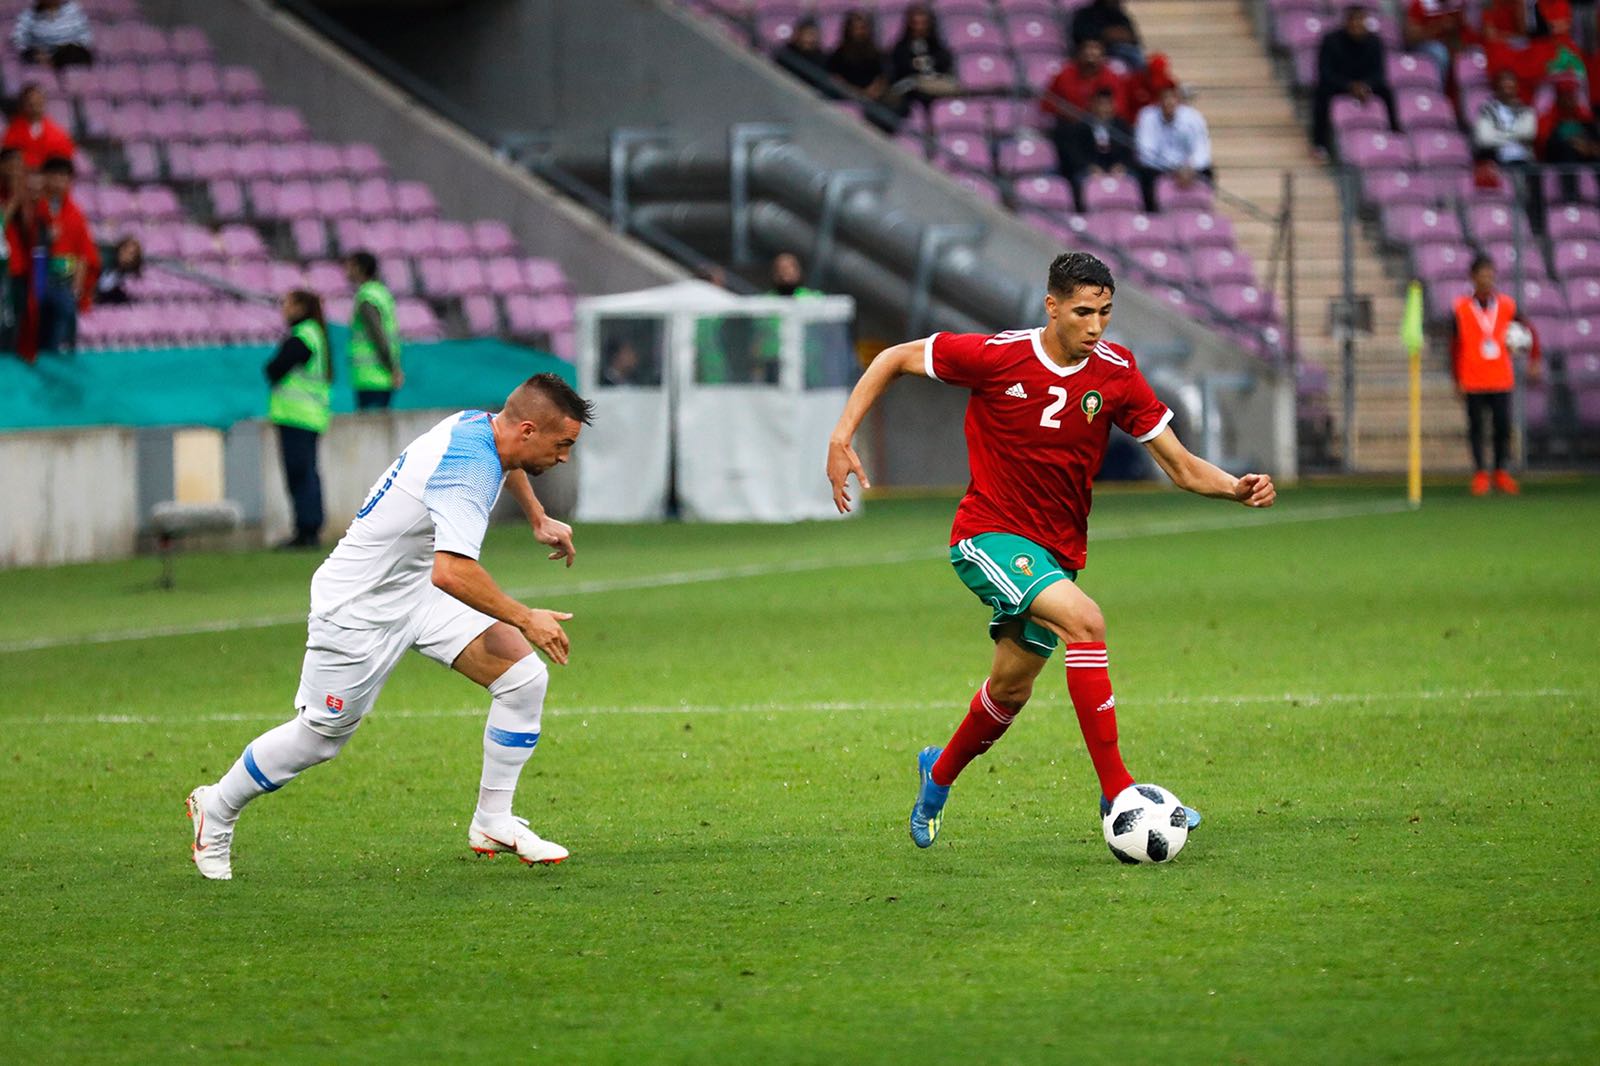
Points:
[(1388, 718)]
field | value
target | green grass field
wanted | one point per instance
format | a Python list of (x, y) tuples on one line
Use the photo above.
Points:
[(1389, 719)]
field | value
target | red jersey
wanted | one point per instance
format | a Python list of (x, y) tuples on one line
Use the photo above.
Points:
[(1037, 432)]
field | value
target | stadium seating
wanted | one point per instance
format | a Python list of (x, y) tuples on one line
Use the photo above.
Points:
[(1419, 186), (992, 140), (193, 159)]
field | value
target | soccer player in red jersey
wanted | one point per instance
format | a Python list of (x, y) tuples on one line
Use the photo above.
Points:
[(1042, 407)]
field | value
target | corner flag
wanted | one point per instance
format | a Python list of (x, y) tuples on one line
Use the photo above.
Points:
[(1411, 336)]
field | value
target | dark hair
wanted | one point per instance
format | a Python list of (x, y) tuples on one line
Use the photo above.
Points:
[(1480, 261), (365, 262), (138, 259), (311, 304), (555, 389), (867, 48), (58, 164), (935, 35), (1069, 270)]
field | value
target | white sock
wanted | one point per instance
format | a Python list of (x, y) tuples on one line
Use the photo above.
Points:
[(511, 733), (271, 761)]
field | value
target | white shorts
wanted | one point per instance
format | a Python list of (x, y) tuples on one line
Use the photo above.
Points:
[(345, 669)]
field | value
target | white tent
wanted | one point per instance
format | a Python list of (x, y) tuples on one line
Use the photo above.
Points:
[(719, 405)]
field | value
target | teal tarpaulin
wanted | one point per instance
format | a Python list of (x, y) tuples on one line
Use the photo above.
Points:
[(220, 386)]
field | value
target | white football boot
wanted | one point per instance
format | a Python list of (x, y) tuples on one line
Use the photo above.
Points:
[(213, 838), (507, 832)]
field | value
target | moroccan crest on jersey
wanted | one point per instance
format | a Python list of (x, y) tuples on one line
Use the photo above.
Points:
[(1091, 404), (1022, 563)]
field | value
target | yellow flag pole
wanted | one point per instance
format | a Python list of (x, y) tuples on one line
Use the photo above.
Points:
[(1411, 337)]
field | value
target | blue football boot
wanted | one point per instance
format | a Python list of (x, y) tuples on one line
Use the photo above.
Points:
[(928, 811), (1193, 816)]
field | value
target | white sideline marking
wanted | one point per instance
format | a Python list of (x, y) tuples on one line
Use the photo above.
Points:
[(675, 578), (479, 710)]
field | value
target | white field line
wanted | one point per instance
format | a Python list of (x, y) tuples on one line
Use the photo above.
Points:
[(953, 704), (675, 578)]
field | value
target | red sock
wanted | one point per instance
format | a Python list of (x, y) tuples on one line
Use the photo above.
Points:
[(987, 719), (1089, 683)]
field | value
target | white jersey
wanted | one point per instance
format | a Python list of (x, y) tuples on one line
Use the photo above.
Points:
[(436, 497)]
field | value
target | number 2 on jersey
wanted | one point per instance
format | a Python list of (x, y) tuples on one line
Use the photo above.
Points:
[(1049, 419)]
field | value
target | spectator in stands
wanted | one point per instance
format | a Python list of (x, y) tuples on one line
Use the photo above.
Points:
[(35, 133), (921, 66), (1100, 144), (788, 277), (619, 362), (1436, 29), (1172, 138), (74, 261), (300, 372), (802, 56), (1505, 127), (375, 370), (15, 198), (1568, 134), (54, 32), (1484, 374), (1107, 22), (1070, 94), (127, 261), (858, 66), (1532, 38), (1349, 62)]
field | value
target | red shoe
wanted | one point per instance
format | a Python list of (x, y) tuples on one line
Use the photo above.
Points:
[(1504, 482), (1480, 484)]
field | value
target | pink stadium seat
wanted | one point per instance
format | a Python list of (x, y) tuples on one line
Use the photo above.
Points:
[(375, 199), (968, 150), (143, 160), (414, 199), (161, 81), (287, 124), (504, 276), (1348, 113), (1026, 153), (417, 320), (958, 116), (1163, 264), (396, 273), (1200, 229), (1574, 258), (362, 160), (1111, 192), (310, 238), (335, 198), (543, 275), (452, 238), (1583, 296), (482, 318), (491, 237), (984, 72), (420, 239), (241, 242), (1223, 265), (1421, 225), (1505, 256), (1036, 33), (1134, 231), (242, 84), (328, 279), (190, 42), (1171, 196), (202, 81), (1043, 192)]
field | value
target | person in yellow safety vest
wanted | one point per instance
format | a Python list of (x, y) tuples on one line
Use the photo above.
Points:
[(300, 372), (374, 335)]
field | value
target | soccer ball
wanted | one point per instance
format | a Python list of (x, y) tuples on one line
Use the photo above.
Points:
[(1519, 339), (1146, 824)]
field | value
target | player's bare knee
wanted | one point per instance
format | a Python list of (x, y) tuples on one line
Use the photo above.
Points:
[(1087, 624), (1013, 691)]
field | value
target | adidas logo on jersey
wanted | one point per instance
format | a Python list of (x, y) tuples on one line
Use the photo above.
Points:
[(1018, 391)]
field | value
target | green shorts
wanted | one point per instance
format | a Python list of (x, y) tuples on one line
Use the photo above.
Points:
[(1006, 572)]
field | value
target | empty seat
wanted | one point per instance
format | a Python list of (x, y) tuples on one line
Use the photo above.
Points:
[(1173, 195), (1044, 192), (1111, 192), (1134, 231), (1576, 258)]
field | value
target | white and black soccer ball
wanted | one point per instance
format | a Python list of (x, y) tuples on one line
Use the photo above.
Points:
[(1146, 823), (1519, 339)]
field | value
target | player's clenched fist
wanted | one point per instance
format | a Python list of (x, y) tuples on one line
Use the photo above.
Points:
[(1255, 490)]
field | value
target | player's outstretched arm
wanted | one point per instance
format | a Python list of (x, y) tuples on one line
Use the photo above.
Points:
[(843, 461), (1189, 471), (467, 580), (546, 530)]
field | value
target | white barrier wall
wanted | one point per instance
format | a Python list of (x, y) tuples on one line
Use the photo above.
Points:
[(67, 496)]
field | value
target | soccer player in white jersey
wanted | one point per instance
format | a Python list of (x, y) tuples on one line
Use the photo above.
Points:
[(406, 575)]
